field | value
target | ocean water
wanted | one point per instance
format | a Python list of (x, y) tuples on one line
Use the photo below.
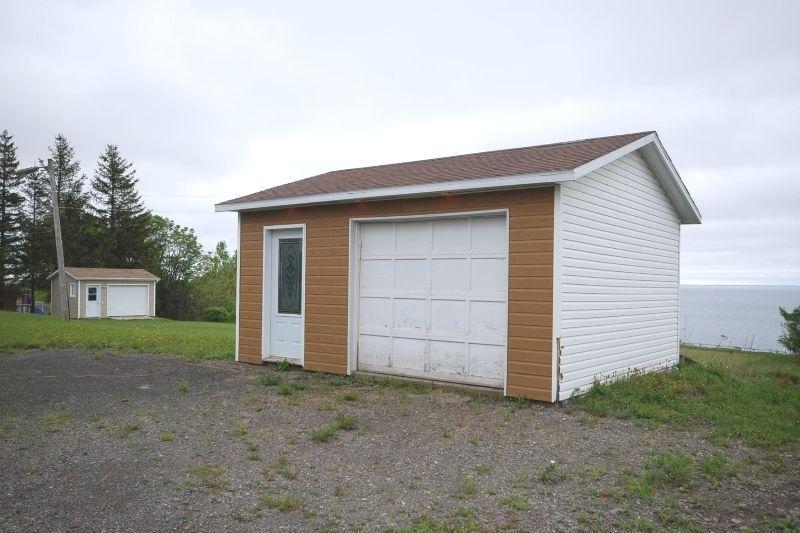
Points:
[(740, 316)]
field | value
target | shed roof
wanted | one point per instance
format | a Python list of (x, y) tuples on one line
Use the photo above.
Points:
[(514, 167), (86, 273)]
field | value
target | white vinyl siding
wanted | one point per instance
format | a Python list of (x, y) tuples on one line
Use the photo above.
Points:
[(619, 275)]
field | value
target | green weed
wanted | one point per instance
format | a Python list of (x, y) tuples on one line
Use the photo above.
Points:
[(520, 503), (283, 502), (346, 422), (269, 380), (209, 476), (126, 430), (323, 433), (466, 487)]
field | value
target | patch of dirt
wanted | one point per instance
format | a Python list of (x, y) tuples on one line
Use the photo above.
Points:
[(141, 442)]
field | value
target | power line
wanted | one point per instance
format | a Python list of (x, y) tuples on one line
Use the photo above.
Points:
[(64, 208), (180, 196)]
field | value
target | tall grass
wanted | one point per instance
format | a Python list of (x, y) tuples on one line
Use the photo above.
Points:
[(755, 398)]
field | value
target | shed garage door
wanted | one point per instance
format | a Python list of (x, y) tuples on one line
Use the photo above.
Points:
[(127, 300), (432, 298)]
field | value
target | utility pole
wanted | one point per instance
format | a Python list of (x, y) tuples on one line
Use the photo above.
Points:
[(62, 284)]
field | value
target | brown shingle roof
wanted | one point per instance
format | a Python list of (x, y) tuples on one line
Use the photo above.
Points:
[(107, 273), (529, 160)]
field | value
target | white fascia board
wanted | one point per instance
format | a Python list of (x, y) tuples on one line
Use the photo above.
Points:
[(505, 182), (655, 155), (93, 278), (602, 161)]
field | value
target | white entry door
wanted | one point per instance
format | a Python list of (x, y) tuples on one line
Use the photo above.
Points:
[(284, 258), (93, 301), (432, 298)]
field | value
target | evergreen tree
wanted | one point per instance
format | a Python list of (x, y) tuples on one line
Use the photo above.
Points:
[(120, 216), (73, 203), (10, 206), (34, 259)]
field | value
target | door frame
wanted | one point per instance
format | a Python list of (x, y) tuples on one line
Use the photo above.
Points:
[(266, 301), (354, 270), (108, 298), (99, 300)]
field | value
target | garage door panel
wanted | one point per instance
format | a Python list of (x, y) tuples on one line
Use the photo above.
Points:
[(447, 357), (447, 316), (377, 273), (410, 314), (489, 234), (411, 274), (374, 350), (483, 360), (450, 235), (378, 237), (449, 274), (413, 237), (376, 312), (127, 300), (487, 318), (409, 354), (488, 274)]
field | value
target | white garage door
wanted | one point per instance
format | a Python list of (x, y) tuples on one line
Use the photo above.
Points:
[(127, 300), (432, 301)]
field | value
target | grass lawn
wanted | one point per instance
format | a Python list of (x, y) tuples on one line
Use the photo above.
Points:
[(196, 340), (750, 396)]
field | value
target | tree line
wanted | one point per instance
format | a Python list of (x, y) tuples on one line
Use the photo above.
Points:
[(104, 223)]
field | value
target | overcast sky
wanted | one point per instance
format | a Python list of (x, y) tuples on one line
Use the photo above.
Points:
[(212, 100)]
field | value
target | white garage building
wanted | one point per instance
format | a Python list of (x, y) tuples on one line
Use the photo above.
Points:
[(535, 270), (107, 292)]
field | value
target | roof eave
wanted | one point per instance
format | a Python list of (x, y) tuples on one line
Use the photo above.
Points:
[(408, 191), (651, 149), (100, 278)]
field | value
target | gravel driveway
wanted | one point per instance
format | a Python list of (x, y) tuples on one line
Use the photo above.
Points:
[(149, 443)]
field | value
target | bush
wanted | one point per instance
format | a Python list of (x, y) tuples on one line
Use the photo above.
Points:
[(791, 325), (231, 318), (215, 314)]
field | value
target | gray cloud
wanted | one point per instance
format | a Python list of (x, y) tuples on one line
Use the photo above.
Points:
[(212, 100)]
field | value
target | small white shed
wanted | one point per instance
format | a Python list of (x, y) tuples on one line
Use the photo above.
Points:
[(107, 292)]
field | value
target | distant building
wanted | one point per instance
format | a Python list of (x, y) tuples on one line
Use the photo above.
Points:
[(106, 292)]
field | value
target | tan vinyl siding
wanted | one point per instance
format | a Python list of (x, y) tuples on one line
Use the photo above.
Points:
[(55, 297), (327, 234)]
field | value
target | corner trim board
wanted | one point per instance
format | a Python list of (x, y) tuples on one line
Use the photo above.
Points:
[(556, 303), (238, 282)]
